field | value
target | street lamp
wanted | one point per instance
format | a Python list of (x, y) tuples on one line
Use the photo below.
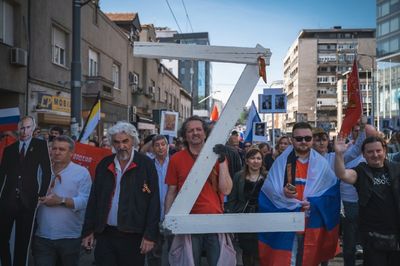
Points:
[(211, 94), (76, 66), (373, 93)]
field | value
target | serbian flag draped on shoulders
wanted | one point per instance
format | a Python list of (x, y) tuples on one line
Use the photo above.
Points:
[(322, 224)]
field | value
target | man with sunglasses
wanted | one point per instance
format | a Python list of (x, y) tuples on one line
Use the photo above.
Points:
[(301, 180)]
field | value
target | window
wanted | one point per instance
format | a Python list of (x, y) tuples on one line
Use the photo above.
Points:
[(326, 58), (115, 76), (59, 46), (6, 23), (93, 63)]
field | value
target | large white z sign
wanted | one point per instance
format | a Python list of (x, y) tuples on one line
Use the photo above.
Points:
[(179, 220)]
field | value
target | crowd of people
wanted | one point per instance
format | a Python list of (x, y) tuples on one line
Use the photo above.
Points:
[(348, 190)]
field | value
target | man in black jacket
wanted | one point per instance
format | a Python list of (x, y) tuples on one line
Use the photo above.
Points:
[(377, 182), (24, 177), (123, 211)]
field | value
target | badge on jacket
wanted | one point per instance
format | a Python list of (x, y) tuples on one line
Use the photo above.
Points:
[(146, 188)]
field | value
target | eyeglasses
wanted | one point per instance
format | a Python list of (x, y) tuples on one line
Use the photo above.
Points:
[(247, 146), (301, 138)]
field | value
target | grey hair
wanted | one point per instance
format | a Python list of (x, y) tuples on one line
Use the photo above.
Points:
[(124, 127), (157, 138), (26, 118), (65, 138)]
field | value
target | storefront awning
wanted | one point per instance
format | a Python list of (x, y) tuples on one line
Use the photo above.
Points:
[(146, 126), (54, 119)]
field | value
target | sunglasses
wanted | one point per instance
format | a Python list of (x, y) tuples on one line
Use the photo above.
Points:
[(300, 139), (247, 146)]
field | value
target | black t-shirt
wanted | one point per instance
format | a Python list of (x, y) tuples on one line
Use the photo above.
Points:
[(251, 191), (379, 214)]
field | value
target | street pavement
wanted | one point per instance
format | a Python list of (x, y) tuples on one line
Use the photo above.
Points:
[(88, 260)]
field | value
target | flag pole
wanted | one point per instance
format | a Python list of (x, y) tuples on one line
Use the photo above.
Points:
[(90, 113)]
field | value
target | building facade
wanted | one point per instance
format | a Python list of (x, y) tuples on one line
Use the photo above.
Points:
[(388, 64), (312, 67), (154, 88), (194, 75), (106, 59), (14, 33)]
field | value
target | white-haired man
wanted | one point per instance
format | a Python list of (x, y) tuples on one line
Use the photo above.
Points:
[(123, 211)]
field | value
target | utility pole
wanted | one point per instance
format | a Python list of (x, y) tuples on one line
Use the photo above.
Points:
[(76, 68)]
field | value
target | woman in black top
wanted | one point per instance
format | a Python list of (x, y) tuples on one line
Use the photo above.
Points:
[(247, 184), (281, 145)]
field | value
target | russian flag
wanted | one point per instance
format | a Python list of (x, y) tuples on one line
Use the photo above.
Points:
[(322, 225), (9, 118)]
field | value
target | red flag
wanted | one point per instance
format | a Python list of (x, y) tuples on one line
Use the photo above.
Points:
[(7, 140), (214, 114), (89, 156), (354, 106)]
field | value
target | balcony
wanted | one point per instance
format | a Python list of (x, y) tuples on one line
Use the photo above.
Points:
[(94, 84)]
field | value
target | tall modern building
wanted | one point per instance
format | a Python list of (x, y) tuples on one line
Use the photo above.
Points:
[(313, 65), (388, 64), (194, 75)]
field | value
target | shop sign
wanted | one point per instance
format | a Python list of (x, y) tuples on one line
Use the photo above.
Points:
[(54, 103)]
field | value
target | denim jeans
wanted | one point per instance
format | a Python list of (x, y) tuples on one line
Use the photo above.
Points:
[(350, 232), (209, 243), (47, 252)]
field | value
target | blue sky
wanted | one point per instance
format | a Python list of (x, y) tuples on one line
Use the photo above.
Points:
[(274, 24)]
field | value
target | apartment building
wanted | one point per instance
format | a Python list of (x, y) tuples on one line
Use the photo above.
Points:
[(154, 87), (313, 65), (388, 64), (14, 32), (106, 59), (195, 75)]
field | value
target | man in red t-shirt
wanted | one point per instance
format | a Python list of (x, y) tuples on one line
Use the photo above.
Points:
[(210, 199)]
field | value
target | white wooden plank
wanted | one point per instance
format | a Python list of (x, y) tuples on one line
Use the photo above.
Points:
[(235, 223), (207, 158), (226, 54)]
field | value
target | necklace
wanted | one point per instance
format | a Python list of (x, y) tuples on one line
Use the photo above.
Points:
[(253, 178)]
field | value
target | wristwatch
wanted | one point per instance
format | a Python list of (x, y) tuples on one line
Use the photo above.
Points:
[(63, 201)]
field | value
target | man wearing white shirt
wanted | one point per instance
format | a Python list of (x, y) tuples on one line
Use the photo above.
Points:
[(61, 212)]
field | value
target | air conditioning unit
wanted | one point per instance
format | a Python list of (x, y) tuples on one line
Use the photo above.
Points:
[(133, 79), (18, 57), (132, 114)]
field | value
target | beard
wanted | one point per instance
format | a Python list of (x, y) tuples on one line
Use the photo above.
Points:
[(302, 149), (123, 155)]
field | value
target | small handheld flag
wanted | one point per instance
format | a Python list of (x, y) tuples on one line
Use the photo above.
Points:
[(92, 120)]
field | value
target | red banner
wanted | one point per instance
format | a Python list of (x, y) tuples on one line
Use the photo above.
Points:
[(354, 106), (5, 141), (89, 156)]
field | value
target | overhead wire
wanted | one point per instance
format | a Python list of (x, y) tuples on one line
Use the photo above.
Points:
[(187, 15), (173, 15)]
